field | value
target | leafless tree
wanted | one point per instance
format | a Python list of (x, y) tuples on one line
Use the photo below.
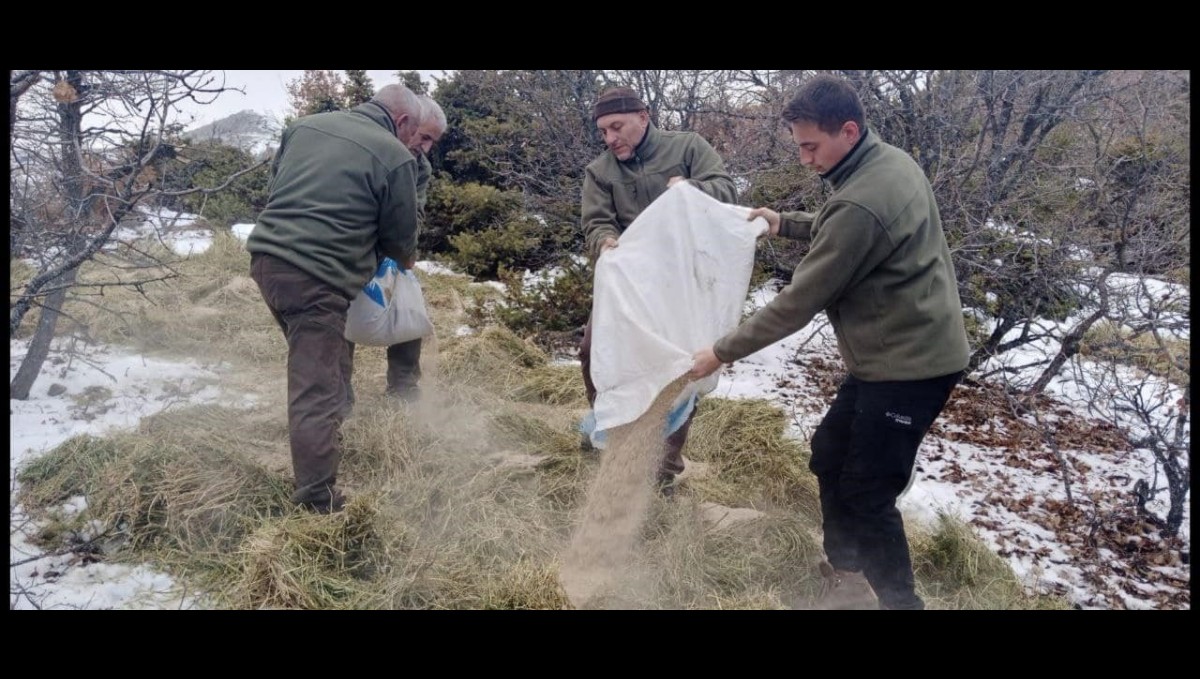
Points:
[(85, 153), (20, 82), (677, 99), (1122, 209)]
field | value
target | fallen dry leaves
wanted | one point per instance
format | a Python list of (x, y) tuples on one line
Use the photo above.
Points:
[(1117, 552)]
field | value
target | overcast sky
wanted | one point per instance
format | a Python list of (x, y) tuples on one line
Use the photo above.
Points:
[(266, 92)]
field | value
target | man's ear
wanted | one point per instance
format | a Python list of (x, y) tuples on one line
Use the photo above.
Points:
[(852, 130), (400, 120)]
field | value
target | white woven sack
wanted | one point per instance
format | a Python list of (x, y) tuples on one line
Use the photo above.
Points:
[(390, 308)]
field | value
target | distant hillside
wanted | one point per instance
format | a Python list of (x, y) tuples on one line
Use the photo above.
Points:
[(247, 130)]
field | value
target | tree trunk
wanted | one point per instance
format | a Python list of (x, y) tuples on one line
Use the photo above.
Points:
[(70, 120), (983, 353), (1179, 474), (1068, 348), (39, 346)]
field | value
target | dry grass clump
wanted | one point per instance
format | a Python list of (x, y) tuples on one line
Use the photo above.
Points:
[(1108, 341), (466, 499), (753, 460), (379, 446), (535, 434), (525, 586), (225, 258), (955, 570), (210, 308), (495, 359), (768, 562), (482, 538), (68, 470), (155, 496), (560, 385), (312, 561), (20, 272), (448, 299), (548, 438)]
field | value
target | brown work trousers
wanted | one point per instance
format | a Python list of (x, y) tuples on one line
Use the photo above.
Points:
[(403, 370), (312, 315), (404, 367), (672, 461)]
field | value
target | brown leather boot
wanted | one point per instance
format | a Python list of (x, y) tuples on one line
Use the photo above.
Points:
[(845, 590)]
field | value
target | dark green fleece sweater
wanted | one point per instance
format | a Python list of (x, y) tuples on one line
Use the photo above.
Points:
[(342, 186), (615, 192), (879, 267)]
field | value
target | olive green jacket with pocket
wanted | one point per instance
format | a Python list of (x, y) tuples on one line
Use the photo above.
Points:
[(878, 266)]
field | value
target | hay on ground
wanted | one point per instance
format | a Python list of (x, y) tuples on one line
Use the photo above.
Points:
[(437, 517)]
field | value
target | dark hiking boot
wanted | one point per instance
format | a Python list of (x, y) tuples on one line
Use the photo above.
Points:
[(845, 590), (910, 603), (406, 394), (335, 504)]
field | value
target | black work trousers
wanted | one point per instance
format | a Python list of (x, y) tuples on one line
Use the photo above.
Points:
[(863, 453)]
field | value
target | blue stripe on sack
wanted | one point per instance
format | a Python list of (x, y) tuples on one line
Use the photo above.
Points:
[(587, 426), (675, 420), (373, 289), (679, 414), (374, 292)]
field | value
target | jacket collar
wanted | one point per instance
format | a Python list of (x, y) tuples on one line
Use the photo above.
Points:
[(377, 113), (846, 166), (645, 148)]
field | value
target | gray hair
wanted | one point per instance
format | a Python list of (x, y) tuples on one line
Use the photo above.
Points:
[(432, 111), (398, 100)]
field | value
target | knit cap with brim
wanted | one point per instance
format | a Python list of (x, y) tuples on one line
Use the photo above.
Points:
[(617, 100)]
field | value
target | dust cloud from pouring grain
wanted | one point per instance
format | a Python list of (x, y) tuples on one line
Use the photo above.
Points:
[(598, 568)]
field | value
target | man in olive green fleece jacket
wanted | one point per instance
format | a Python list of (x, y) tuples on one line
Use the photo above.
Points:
[(342, 187), (640, 164), (880, 268)]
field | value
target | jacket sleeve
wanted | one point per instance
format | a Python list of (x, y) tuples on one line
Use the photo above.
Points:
[(707, 172), (597, 213), (398, 214), (849, 244), (797, 225)]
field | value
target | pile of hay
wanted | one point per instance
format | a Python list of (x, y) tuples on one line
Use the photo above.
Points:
[(467, 499)]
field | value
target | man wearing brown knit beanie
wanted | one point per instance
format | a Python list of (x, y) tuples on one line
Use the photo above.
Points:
[(640, 164)]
